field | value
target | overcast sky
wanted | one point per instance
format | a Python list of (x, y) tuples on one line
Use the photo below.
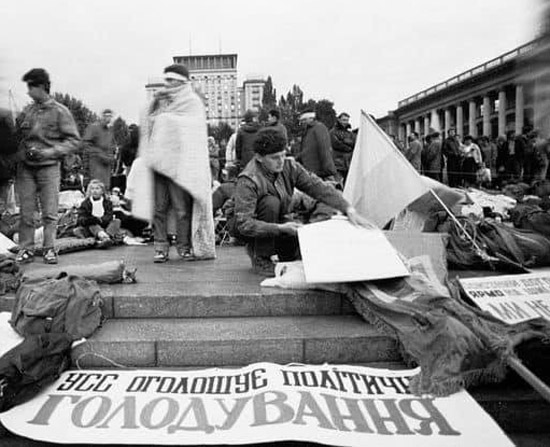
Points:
[(359, 54)]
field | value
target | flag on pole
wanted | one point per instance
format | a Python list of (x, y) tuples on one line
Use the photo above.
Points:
[(381, 182)]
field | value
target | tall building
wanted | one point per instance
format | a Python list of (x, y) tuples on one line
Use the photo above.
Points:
[(253, 92), (215, 79)]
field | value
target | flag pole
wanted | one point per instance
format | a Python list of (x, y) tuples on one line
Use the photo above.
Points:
[(481, 252)]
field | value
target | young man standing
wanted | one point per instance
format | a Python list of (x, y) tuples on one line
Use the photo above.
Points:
[(48, 134)]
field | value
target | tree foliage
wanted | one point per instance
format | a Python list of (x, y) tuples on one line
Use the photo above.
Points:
[(82, 115), (220, 132)]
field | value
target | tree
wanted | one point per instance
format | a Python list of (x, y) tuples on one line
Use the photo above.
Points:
[(82, 115), (324, 109), (269, 100), (220, 132), (121, 133)]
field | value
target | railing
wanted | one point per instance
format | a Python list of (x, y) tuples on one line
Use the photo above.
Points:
[(506, 57)]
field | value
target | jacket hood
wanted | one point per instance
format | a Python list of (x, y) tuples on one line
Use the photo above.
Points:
[(251, 127)]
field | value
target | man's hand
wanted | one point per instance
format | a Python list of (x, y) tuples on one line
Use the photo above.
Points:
[(356, 219), (290, 228)]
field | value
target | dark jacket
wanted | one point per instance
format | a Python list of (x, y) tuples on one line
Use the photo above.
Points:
[(244, 145), (281, 128), (343, 143), (316, 151), (8, 147), (255, 182), (85, 218), (414, 154), (451, 148)]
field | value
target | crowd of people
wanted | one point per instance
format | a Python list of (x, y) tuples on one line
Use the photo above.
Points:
[(483, 161), (177, 178)]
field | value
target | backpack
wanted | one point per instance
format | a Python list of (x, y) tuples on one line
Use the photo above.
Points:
[(31, 365), (65, 304)]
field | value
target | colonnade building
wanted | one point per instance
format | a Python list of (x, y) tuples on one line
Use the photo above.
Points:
[(491, 99)]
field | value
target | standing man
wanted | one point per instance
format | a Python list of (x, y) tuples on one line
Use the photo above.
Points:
[(99, 149), (174, 147), (451, 150), (244, 144), (274, 121), (315, 149), (48, 134), (432, 157), (414, 152), (343, 143)]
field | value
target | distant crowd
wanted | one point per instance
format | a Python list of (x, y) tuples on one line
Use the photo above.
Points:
[(483, 161)]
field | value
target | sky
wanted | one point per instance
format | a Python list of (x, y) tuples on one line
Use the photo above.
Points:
[(360, 54)]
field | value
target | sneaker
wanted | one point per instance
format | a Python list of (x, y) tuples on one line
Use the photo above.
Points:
[(50, 257), (160, 257), (24, 256), (186, 254), (263, 266)]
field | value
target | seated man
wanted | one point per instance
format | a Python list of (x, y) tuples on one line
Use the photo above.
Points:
[(262, 201)]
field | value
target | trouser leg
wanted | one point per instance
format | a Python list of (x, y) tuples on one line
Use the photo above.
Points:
[(48, 179), (26, 189), (162, 200), (182, 202)]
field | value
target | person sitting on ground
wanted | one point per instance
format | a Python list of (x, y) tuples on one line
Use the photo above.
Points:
[(95, 216), (122, 210), (225, 191), (262, 200)]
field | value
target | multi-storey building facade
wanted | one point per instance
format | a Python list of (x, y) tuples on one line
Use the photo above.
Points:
[(501, 95), (253, 92), (215, 79)]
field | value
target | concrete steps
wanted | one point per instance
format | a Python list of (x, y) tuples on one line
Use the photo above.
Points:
[(199, 342)]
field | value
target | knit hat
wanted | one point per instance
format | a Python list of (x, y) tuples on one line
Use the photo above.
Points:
[(176, 71), (269, 141)]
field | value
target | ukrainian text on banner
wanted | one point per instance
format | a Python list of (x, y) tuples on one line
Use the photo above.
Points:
[(511, 298), (334, 405)]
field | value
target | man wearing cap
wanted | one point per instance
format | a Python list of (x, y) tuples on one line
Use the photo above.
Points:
[(343, 143), (263, 197), (99, 149), (451, 150), (244, 144), (432, 158), (414, 152), (174, 148), (315, 149), (48, 133)]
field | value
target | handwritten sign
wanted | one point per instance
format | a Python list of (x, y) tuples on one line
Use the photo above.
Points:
[(511, 298), (263, 402)]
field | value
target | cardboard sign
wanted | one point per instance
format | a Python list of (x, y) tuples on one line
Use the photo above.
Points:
[(511, 298), (263, 402), (338, 251)]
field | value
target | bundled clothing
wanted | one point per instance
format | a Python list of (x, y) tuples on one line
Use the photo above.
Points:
[(316, 151)]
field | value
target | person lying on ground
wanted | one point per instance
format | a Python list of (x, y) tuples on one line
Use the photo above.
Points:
[(262, 200), (95, 216)]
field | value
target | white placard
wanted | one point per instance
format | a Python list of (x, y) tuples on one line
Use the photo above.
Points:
[(338, 251), (511, 298), (334, 405)]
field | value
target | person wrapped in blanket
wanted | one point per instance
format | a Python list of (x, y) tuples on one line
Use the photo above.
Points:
[(95, 217)]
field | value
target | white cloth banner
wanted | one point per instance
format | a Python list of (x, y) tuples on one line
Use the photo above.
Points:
[(511, 298), (334, 405)]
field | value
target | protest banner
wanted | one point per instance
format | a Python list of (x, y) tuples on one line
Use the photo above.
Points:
[(338, 251), (263, 402), (511, 298)]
